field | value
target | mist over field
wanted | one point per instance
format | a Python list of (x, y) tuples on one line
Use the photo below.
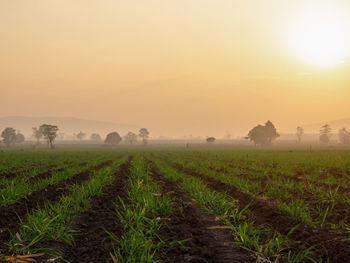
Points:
[(179, 68), (190, 131)]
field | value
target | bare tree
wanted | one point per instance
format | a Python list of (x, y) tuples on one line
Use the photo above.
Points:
[(37, 134), (300, 133), (130, 137), (50, 133), (144, 134), (325, 133), (80, 135), (344, 136)]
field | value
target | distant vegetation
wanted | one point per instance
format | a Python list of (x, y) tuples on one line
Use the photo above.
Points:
[(81, 135), (49, 132), (263, 134), (113, 138), (130, 137), (344, 136), (10, 136), (95, 137), (211, 140), (300, 133), (325, 133), (144, 134)]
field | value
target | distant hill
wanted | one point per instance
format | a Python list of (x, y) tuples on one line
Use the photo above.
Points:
[(335, 125), (67, 125)]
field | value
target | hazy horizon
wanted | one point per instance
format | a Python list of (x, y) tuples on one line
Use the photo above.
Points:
[(177, 67)]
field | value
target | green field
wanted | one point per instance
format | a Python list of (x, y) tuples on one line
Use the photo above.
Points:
[(172, 204)]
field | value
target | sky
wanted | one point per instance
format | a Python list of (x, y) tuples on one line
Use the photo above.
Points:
[(200, 67)]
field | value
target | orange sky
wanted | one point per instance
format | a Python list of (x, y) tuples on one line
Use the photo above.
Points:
[(179, 67)]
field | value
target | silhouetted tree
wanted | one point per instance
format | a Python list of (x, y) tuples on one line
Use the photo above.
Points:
[(263, 134), (113, 138), (258, 135), (271, 132), (50, 133), (211, 140), (344, 136), (130, 137), (37, 134), (144, 134), (80, 135), (325, 132), (95, 137), (19, 138), (300, 132), (9, 136)]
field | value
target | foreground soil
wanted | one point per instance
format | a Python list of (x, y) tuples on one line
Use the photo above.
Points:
[(91, 225), (205, 240), (11, 214), (327, 244)]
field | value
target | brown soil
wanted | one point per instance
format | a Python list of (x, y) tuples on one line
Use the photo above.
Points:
[(327, 244), (49, 173), (207, 240), (91, 225), (22, 170), (340, 213), (10, 214)]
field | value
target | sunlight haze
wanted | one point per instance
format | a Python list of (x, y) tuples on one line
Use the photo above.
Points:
[(177, 67)]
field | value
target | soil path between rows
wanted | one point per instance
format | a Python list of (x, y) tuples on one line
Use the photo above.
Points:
[(332, 245), (207, 240), (10, 214), (48, 173), (341, 211), (91, 225), (24, 170)]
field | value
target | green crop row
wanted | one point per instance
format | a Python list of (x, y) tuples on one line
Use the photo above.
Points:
[(259, 240), (50, 223), (141, 217), (307, 203), (15, 190)]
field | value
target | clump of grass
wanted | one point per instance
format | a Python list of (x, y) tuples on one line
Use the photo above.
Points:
[(298, 210)]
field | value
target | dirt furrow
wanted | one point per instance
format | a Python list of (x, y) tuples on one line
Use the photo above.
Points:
[(207, 240), (22, 170), (328, 244), (9, 219), (92, 224), (49, 173), (340, 212)]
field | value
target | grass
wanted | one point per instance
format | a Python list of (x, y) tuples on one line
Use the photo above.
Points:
[(269, 175), (140, 217), (309, 187), (255, 239), (50, 222)]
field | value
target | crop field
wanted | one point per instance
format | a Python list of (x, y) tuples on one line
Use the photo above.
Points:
[(152, 204)]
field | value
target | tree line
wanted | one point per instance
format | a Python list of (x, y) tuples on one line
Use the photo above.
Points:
[(266, 134), (50, 132), (259, 135)]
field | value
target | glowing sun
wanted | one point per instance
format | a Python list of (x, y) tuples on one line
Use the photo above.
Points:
[(320, 36)]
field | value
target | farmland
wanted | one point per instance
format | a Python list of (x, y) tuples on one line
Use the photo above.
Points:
[(157, 204)]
